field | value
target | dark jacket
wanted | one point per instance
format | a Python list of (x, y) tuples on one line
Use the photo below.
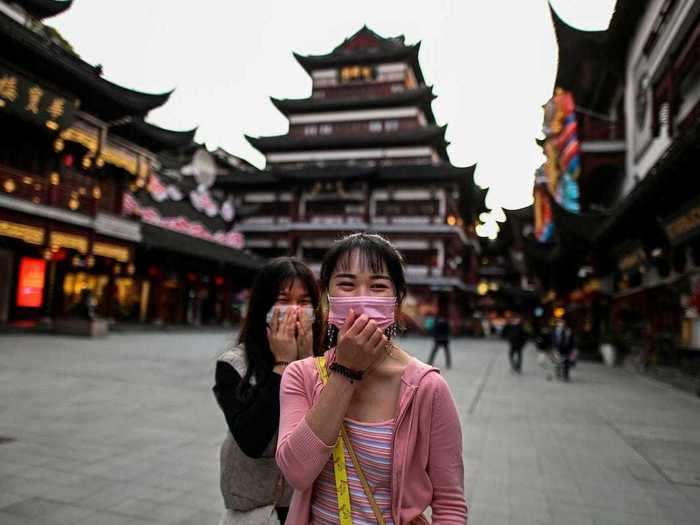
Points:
[(517, 337), (441, 330), (563, 340)]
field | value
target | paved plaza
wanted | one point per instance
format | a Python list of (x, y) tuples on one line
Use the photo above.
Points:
[(125, 430)]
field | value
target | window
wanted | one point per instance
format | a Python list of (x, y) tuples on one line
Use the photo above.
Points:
[(326, 129), (375, 126), (310, 130), (391, 125)]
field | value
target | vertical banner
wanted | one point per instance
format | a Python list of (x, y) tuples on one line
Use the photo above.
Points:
[(558, 175)]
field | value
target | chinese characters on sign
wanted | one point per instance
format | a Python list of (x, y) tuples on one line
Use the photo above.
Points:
[(28, 100)]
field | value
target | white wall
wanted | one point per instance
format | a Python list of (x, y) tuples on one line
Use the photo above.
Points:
[(643, 149)]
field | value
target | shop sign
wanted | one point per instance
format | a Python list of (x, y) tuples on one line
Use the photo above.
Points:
[(683, 225), (28, 234), (30, 288), (71, 241), (112, 251), (632, 260), (31, 101)]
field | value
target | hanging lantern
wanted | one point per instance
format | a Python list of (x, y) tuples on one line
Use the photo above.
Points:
[(55, 179), (9, 185), (58, 145), (97, 192), (87, 162)]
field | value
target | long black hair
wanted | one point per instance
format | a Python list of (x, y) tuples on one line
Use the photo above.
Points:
[(376, 253), (275, 276)]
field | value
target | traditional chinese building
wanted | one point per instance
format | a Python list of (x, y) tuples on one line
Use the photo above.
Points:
[(74, 147), (627, 261), (365, 153)]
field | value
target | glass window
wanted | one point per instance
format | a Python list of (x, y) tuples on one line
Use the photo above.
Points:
[(326, 129), (391, 125), (375, 126), (310, 130)]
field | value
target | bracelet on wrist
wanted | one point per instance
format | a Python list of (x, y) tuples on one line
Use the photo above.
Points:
[(348, 373)]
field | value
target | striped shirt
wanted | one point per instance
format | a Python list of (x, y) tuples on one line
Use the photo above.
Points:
[(373, 445)]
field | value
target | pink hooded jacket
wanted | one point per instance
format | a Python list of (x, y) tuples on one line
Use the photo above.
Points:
[(427, 454)]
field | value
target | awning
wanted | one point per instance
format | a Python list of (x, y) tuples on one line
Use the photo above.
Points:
[(155, 237)]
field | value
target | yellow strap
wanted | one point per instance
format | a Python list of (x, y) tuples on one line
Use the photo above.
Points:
[(339, 468)]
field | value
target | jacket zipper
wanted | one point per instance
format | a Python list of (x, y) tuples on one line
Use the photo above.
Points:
[(401, 413)]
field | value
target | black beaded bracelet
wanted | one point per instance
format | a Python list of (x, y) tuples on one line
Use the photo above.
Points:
[(352, 375)]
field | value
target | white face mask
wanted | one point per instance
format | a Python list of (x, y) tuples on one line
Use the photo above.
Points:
[(282, 309)]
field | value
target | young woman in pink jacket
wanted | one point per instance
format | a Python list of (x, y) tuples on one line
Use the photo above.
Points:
[(371, 434)]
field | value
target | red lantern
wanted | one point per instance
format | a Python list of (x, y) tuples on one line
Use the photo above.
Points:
[(68, 160), (219, 280)]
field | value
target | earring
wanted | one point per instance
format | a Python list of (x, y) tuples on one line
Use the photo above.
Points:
[(392, 331), (330, 336)]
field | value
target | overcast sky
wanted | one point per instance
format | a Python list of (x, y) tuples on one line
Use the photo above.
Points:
[(492, 63)]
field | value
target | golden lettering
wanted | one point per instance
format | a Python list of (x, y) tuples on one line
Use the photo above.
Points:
[(8, 88), (56, 108), (35, 94), (29, 234), (112, 251)]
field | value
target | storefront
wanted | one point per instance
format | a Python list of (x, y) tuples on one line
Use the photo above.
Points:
[(47, 266)]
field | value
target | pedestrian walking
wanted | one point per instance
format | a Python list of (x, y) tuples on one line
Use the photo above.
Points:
[(368, 434), (279, 328), (563, 341), (517, 337), (441, 339)]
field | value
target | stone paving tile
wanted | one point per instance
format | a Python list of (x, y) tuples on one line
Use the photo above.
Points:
[(45, 509), (12, 519), (201, 517), (608, 448)]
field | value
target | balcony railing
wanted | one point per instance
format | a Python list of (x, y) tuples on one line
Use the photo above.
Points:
[(595, 129), (74, 191)]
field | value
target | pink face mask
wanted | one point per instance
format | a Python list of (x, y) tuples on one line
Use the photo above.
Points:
[(379, 309)]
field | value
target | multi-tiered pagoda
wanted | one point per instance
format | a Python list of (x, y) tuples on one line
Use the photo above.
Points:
[(364, 153)]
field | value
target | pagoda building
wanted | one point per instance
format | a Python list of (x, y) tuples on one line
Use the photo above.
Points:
[(364, 153), (75, 146)]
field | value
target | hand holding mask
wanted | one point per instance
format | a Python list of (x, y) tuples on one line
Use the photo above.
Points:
[(290, 326), (362, 321), (280, 335)]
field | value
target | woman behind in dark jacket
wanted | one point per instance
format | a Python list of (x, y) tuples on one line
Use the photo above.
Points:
[(281, 326)]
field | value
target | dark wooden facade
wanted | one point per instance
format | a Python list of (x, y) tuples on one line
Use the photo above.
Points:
[(74, 146)]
